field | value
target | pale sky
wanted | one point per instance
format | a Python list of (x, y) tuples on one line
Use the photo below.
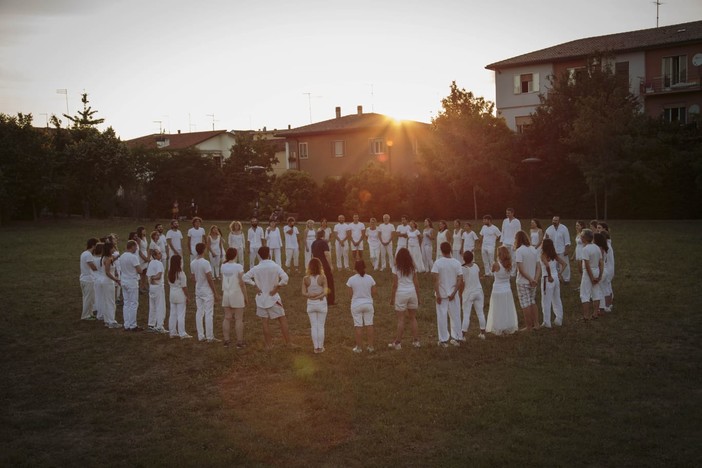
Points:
[(250, 63)]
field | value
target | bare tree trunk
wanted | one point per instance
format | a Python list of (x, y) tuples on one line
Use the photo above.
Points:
[(597, 208), (475, 204), (605, 203)]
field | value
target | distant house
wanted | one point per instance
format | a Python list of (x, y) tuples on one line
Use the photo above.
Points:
[(345, 144), (662, 65), (217, 144)]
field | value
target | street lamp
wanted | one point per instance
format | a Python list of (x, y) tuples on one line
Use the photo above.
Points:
[(389, 144)]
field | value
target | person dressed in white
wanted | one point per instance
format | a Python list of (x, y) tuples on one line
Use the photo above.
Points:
[(600, 240), (314, 288), (112, 238), (341, 234), (256, 239), (274, 242), (457, 236), (608, 276), (98, 277), (414, 239), (536, 234), (309, 234), (131, 271), (443, 234), (579, 226), (428, 235), (356, 229), (268, 277), (510, 227), (87, 282), (528, 279), (405, 297), (448, 281), (468, 238), (593, 267), (560, 236), (502, 314), (107, 285), (362, 289), (157, 293), (233, 298), (236, 240), (174, 241), (472, 295), (386, 230), (489, 235), (205, 294), (215, 245), (143, 253), (292, 245), (178, 297), (551, 267), (373, 236), (401, 233), (162, 245)]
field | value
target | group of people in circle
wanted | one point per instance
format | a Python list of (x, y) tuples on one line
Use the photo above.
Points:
[(540, 261)]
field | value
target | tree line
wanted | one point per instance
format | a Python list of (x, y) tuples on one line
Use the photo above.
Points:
[(589, 152)]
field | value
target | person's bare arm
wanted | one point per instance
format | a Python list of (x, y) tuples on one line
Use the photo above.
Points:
[(394, 290), (436, 288)]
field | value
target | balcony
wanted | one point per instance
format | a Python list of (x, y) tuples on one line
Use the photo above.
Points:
[(667, 84)]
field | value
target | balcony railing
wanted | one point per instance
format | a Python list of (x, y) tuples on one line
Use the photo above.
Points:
[(669, 84)]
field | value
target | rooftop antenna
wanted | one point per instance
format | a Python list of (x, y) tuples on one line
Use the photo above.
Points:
[(191, 125), (47, 118), (160, 126), (309, 102), (372, 98), (658, 5), (213, 120), (64, 91)]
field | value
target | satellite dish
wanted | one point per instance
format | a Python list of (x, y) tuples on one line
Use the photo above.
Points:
[(694, 109), (697, 60)]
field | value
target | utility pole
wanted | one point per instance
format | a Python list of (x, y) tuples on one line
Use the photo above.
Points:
[(658, 5)]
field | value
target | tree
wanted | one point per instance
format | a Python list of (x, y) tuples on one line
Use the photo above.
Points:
[(84, 119), (371, 192), (301, 193), (332, 194)]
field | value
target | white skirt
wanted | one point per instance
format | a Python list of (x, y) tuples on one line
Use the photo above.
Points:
[(416, 254), (502, 315)]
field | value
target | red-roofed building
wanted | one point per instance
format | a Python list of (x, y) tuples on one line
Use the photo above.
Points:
[(216, 144), (345, 144), (663, 66)]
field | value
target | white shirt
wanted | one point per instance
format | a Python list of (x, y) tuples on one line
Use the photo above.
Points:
[(457, 237), (560, 237), (509, 230), (291, 239), (413, 238), (176, 238), (155, 267), (386, 230), (373, 236), (362, 287), (199, 268), (490, 235), (357, 231), (273, 239), (236, 240), (448, 269), (129, 262), (196, 236), (255, 237), (161, 243), (402, 229), (529, 258), (266, 276), (471, 278), (469, 238), (86, 273), (593, 254), (405, 284), (232, 269), (176, 294), (341, 230)]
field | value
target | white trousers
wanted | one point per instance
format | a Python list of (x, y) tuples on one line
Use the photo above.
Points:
[(488, 259), (386, 257), (457, 255), (157, 306), (131, 304), (205, 310), (551, 298), (449, 310), (276, 256), (176, 321), (308, 254), (473, 299), (88, 291), (513, 256), (374, 251), (107, 298), (216, 263), (99, 305), (427, 255), (342, 255), (317, 311), (566, 271), (253, 256), (294, 255)]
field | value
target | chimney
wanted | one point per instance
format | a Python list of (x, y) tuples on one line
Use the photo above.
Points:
[(338, 112), (264, 129), (178, 132), (288, 126), (359, 109)]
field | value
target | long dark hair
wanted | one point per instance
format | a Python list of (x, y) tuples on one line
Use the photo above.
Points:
[(548, 250), (601, 241), (404, 263), (314, 267), (107, 248), (174, 268), (360, 267)]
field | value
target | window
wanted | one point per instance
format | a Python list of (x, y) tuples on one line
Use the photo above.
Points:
[(217, 158), (522, 123), (338, 148), (377, 146), (674, 70), (575, 74), (675, 114), (302, 149), (526, 83)]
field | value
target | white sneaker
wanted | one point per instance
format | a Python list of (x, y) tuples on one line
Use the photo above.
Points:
[(481, 336), (453, 342), (186, 337), (416, 344), (442, 344), (213, 340), (357, 350), (395, 345), (370, 349)]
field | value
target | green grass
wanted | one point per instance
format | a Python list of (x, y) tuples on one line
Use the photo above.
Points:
[(621, 391)]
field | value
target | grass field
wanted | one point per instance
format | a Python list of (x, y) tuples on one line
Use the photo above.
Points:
[(624, 390)]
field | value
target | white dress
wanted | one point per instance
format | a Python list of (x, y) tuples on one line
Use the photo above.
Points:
[(534, 237), (415, 250), (236, 240), (441, 237), (502, 315)]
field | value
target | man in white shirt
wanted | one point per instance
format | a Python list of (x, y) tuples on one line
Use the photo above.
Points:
[(402, 229), (292, 245), (131, 272), (448, 280), (373, 235), (157, 295), (560, 236), (356, 229), (205, 294), (341, 234), (174, 241), (528, 277), (162, 246), (386, 232), (87, 286), (489, 235), (268, 277), (510, 226), (196, 234), (274, 242), (255, 238)]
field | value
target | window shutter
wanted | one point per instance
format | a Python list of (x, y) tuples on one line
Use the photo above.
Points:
[(517, 84), (536, 82)]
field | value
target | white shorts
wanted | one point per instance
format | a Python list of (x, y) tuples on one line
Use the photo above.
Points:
[(588, 290), (406, 300), (274, 312), (362, 315), (357, 247)]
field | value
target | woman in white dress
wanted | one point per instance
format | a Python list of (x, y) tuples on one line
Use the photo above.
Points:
[(536, 234), (108, 281), (314, 288), (215, 245), (143, 244), (413, 245), (579, 226), (428, 244), (442, 235), (457, 240), (237, 240), (233, 298), (310, 235), (502, 314), (178, 297)]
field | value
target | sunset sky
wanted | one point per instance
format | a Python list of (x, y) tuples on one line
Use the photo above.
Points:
[(251, 63)]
